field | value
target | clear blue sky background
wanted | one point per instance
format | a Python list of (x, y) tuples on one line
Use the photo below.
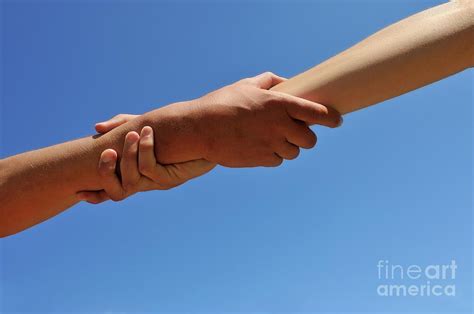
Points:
[(395, 182)]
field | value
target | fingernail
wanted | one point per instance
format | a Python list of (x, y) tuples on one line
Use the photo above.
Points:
[(107, 159), (147, 131)]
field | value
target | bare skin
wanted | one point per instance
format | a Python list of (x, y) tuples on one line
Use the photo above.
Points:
[(138, 157), (241, 125), (409, 54), (245, 124)]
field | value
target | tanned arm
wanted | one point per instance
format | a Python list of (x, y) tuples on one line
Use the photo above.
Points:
[(240, 125)]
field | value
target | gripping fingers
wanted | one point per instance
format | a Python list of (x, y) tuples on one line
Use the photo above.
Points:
[(288, 151), (273, 160), (112, 188), (165, 176), (146, 157), (297, 133), (129, 162), (109, 179)]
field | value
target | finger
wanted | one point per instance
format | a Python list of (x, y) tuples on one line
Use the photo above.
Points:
[(106, 126), (299, 134), (147, 164), (146, 153), (273, 160), (108, 178), (167, 175), (311, 112), (93, 197), (266, 80), (129, 162), (288, 151)]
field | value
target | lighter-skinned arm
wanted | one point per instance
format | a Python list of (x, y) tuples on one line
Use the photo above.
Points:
[(409, 54)]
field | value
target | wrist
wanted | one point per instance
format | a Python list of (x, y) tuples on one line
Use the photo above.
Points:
[(180, 132)]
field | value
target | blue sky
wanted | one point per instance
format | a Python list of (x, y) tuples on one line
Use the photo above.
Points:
[(394, 183)]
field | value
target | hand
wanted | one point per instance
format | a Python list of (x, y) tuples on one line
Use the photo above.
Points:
[(138, 158), (241, 125)]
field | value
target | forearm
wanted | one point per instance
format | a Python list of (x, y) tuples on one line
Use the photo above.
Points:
[(39, 184), (414, 52), (178, 132)]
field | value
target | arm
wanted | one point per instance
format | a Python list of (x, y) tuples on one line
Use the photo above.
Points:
[(409, 54), (138, 155), (240, 125), (39, 184)]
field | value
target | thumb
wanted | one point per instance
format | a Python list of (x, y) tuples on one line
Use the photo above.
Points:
[(266, 80), (106, 126)]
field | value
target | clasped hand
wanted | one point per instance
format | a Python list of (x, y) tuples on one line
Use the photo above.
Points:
[(240, 125)]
